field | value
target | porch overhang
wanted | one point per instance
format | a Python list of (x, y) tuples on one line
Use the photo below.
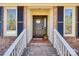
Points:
[(39, 4)]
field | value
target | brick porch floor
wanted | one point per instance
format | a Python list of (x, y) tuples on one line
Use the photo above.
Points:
[(5, 43)]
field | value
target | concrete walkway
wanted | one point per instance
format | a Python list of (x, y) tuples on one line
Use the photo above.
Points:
[(40, 48)]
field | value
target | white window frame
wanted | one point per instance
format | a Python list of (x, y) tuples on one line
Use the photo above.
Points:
[(9, 33), (73, 21)]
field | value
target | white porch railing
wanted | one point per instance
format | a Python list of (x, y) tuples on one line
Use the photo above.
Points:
[(17, 47), (62, 47)]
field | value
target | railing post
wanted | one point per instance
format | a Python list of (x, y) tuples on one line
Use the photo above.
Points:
[(25, 39), (54, 39)]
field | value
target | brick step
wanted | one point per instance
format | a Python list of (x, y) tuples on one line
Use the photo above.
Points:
[(40, 48)]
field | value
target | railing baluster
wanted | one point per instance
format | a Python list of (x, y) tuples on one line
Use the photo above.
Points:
[(64, 51), (68, 54), (17, 46), (62, 47)]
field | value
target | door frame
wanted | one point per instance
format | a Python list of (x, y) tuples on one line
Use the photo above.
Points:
[(33, 23)]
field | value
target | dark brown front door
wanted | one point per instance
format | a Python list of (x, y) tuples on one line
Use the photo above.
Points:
[(39, 26)]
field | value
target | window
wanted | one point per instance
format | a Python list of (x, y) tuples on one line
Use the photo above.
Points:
[(69, 21), (10, 21)]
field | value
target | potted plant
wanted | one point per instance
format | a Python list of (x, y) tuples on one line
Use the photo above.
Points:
[(45, 36)]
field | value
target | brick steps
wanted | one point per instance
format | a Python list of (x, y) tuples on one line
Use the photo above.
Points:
[(40, 48)]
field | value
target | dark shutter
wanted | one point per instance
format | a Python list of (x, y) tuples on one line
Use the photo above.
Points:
[(60, 19), (20, 18), (1, 21), (77, 32)]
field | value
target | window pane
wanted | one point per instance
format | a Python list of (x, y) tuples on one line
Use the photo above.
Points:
[(68, 21), (11, 19)]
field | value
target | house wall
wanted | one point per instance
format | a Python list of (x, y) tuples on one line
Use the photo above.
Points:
[(44, 9), (52, 20), (28, 21)]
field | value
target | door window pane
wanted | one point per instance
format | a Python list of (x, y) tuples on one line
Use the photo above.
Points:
[(68, 21)]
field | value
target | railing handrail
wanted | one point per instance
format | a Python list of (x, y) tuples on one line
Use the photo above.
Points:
[(70, 50), (10, 49)]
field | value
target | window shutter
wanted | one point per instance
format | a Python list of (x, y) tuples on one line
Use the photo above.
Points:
[(60, 19), (20, 18), (77, 33), (1, 21)]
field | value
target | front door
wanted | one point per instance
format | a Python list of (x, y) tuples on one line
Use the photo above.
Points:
[(39, 26)]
